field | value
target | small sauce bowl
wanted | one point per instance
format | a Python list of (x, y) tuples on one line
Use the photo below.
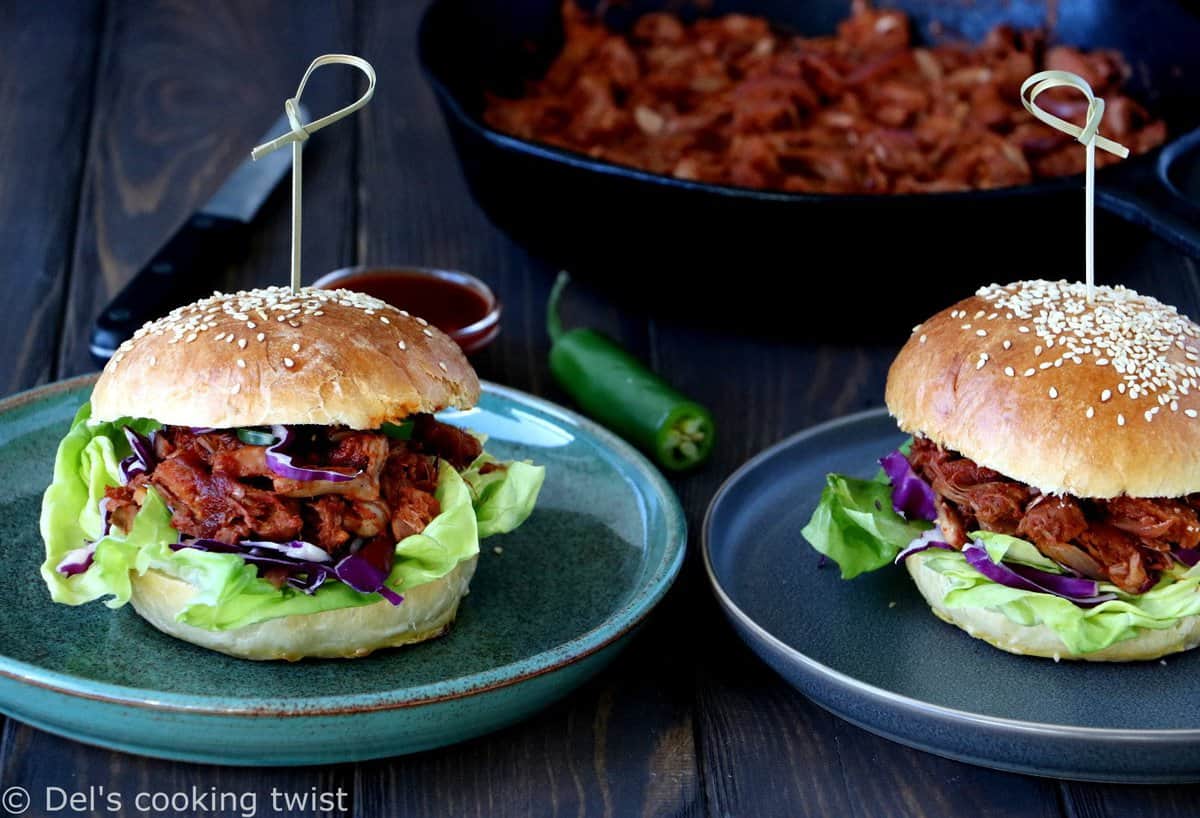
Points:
[(458, 304)]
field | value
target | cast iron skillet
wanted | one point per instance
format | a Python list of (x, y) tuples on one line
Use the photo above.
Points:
[(681, 241)]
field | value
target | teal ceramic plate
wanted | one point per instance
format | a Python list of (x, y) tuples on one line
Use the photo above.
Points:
[(602, 547)]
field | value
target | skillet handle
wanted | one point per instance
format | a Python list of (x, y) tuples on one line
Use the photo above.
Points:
[(1146, 196)]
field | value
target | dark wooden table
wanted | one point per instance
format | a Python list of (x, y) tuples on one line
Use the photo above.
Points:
[(117, 119)]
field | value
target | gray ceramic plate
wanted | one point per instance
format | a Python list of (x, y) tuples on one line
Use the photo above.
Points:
[(602, 547), (870, 651)]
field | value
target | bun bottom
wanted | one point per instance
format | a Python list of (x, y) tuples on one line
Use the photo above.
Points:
[(343, 633), (1001, 632)]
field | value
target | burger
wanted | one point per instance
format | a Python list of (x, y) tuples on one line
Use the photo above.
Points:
[(1048, 501), (262, 474)]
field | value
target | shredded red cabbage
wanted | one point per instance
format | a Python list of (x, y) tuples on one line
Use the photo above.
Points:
[(77, 560), (1188, 556), (142, 459), (912, 497), (930, 539), (365, 571), (1083, 592), (282, 465)]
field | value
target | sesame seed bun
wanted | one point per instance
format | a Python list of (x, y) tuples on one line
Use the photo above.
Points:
[(1029, 379), (259, 357), (342, 633), (1001, 632)]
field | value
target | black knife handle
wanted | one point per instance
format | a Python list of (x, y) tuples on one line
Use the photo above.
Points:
[(181, 271)]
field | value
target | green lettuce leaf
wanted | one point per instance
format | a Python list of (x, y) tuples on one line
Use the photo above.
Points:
[(855, 525), (229, 593), (503, 496), (1083, 630)]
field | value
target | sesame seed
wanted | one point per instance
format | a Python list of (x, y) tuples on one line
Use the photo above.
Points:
[(1190, 412), (1037, 350), (442, 364), (262, 336), (405, 313), (981, 333), (241, 363), (191, 337), (295, 347), (218, 336), (1120, 420), (1008, 344), (1053, 392), (251, 325), (1045, 364), (427, 332), (1091, 412), (241, 343), (384, 319), (1105, 395), (1022, 329), (319, 312), (1028, 372), (153, 360), (289, 363), (966, 326), (980, 314), (921, 339), (402, 345), (237, 387), (422, 322), (1009, 371)]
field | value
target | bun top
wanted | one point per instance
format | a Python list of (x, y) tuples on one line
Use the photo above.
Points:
[(1029, 379), (259, 357)]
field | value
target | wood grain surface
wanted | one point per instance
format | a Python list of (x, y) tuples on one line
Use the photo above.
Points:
[(121, 118)]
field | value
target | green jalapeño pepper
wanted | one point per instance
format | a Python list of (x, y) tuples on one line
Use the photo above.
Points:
[(619, 391)]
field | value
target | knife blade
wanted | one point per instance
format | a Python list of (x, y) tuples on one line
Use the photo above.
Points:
[(180, 271)]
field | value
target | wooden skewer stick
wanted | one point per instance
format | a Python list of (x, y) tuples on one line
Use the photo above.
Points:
[(300, 132), (1088, 135)]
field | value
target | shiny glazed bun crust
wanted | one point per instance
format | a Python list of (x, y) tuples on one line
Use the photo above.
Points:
[(260, 357), (1095, 400)]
